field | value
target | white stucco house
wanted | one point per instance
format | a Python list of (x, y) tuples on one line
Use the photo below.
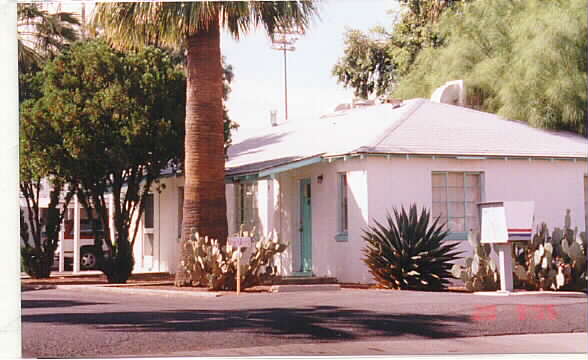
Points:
[(318, 183)]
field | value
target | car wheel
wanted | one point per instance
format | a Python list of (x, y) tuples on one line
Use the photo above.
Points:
[(88, 260)]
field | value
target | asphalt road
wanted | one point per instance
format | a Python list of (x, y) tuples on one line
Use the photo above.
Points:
[(67, 323)]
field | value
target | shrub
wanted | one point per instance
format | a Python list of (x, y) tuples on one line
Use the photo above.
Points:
[(408, 252), (206, 263), (480, 272), (118, 267), (552, 262), (35, 262), (36, 257)]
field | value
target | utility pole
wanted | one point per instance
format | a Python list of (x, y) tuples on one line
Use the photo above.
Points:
[(284, 41)]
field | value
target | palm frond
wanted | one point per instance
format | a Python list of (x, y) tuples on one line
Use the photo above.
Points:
[(41, 34), (129, 25)]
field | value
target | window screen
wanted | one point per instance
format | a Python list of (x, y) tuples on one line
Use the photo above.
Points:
[(455, 198)]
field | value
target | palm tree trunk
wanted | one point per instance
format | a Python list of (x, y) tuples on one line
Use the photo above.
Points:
[(204, 166)]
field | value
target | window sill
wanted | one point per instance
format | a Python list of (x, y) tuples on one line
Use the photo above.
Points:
[(341, 237)]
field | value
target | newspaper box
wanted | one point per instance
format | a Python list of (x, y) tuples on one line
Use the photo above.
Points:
[(504, 222)]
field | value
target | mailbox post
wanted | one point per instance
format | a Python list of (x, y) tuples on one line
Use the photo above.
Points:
[(240, 242), (504, 222)]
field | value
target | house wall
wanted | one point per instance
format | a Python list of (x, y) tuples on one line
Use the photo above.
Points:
[(168, 231), (165, 231), (553, 186), (375, 186), (329, 257)]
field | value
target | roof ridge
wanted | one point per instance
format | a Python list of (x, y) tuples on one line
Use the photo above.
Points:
[(378, 140)]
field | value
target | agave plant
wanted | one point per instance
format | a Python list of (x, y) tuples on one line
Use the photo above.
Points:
[(409, 252)]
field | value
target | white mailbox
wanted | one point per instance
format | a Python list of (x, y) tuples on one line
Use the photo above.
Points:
[(502, 223), (240, 241)]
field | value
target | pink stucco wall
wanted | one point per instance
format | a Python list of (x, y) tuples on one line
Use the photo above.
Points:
[(375, 185), (553, 186)]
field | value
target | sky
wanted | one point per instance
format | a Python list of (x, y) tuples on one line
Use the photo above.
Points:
[(258, 86)]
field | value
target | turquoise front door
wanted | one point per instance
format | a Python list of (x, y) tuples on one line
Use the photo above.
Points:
[(305, 228)]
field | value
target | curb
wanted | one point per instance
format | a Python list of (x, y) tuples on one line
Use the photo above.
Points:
[(304, 288), (24, 287), (126, 290), (520, 293)]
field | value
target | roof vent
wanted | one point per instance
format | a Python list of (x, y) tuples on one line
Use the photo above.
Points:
[(274, 117), (452, 92), (342, 107), (361, 103), (396, 103)]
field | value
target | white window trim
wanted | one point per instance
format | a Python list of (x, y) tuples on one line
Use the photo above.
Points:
[(342, 234), (239, 215)]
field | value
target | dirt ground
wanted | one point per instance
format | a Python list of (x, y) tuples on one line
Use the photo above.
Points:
[(152, 278), (151, 281), (163, 281)]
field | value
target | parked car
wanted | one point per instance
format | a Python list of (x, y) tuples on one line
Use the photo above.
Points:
[(88, 251)]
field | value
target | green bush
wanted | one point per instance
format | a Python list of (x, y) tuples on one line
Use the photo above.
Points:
[(118, 264), (408, 252), (36, 262), (206, 263), (555, 261), (36, 259)]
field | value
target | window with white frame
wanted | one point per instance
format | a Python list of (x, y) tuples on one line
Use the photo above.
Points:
[(246, 212), (342, 208), (455, 198), (148, 225)]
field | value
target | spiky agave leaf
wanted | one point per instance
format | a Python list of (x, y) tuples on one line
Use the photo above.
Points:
[(409, 251)]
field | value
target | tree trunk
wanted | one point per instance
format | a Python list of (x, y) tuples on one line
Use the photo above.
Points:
[(204, 166)]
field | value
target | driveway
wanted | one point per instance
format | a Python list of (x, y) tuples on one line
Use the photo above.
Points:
[(66, 323)]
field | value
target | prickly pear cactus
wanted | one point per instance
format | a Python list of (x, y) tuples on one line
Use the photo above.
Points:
[(480, 272), (183, 277), (552, 262), (206, 263)]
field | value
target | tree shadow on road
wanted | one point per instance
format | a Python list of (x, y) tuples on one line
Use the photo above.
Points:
[(317, 322), (35, 304)]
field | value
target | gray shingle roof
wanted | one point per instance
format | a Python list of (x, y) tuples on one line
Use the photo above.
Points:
[(419, 126)]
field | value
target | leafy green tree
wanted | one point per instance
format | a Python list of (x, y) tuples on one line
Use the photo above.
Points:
[(41, 36), (39, 166), (524, 60), (228, 124), (195, 26), (118, 121), (374, 62)]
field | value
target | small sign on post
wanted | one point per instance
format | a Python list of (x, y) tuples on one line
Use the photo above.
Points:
[(239, 242), (502, 223)]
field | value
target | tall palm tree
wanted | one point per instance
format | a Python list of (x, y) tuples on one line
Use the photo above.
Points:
[(41, 35), (195, 27)]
